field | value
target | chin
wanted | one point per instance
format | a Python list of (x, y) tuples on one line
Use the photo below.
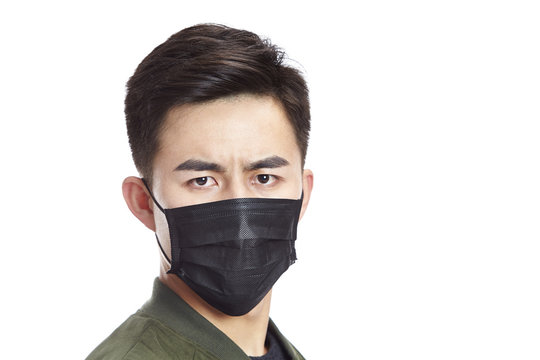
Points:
[(261, 308)]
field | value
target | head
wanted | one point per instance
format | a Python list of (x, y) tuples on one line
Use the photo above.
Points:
[(215, 113), (204, 63)]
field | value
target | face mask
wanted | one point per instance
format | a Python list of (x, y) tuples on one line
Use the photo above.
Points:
[(231, 252)]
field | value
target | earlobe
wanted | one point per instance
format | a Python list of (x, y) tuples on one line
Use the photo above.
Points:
[(138, 201), (307, 186)]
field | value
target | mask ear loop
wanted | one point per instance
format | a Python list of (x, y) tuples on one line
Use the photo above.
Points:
[(152, 195), (162, 251), (163, 211)]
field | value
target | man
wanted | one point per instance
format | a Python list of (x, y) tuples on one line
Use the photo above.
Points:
[(218, 127)]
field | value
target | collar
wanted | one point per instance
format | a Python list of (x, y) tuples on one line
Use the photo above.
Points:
[(169, 308)]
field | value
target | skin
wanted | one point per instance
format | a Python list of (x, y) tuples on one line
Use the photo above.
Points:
[(245, 138)]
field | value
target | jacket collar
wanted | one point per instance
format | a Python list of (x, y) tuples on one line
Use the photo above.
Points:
[(169, 308)]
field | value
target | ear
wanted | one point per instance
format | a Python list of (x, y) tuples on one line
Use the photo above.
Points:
[(139, 201), (307, 186)]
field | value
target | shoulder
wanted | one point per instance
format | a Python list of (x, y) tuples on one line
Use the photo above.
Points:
[(143, 337)]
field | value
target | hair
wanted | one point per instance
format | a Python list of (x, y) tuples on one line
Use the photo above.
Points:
[(204, 63)]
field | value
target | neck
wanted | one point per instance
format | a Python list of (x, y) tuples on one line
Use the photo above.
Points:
[(247, 331)]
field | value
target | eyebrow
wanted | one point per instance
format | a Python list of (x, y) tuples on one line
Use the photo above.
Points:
[(199, 165), (270, 162)]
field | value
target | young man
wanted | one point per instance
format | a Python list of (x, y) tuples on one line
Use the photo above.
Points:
[(218, 127)]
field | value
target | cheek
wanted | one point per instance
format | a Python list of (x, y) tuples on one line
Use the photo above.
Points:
[(162, 231), (292, 186)]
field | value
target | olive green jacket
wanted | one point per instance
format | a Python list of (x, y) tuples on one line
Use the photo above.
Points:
[(166, 327)]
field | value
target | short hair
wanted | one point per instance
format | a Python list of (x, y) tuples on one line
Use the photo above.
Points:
[(204, 63)]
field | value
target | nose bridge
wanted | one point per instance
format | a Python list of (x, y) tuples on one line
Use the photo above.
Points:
[(238, 185)]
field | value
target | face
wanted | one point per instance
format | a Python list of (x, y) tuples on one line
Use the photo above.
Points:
[(236, 147)]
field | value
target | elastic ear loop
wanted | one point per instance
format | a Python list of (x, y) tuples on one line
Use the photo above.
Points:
[(163, 211), (152, 195)]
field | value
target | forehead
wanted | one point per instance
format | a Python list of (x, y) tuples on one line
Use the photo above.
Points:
[(240, 127)]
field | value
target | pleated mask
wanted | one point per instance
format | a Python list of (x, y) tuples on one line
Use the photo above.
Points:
[(231, 252)]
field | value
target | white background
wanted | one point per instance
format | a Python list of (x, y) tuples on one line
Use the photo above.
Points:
[(422, 237)]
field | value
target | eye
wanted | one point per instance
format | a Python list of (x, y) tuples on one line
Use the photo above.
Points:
[(265, 179), (201, 182)]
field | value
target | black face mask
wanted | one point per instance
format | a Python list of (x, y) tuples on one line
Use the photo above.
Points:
[(231, 252)]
